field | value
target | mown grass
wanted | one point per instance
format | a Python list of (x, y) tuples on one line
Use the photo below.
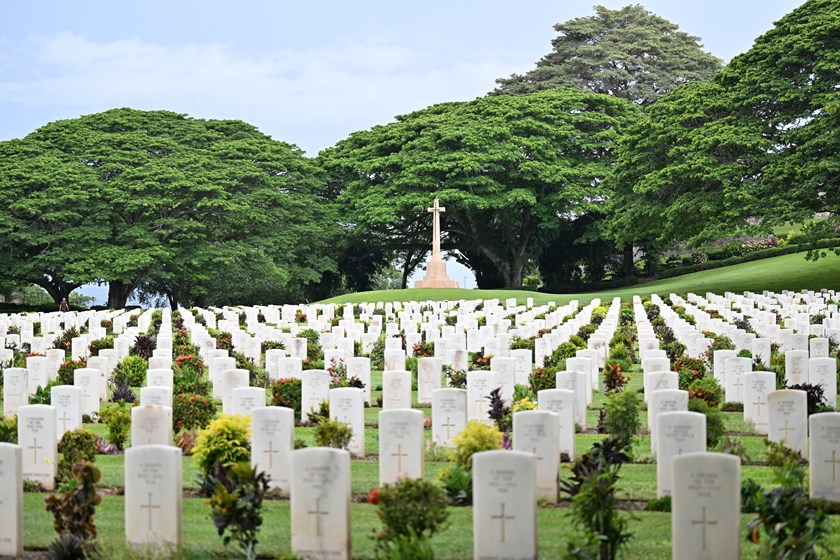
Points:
[(787, 272)]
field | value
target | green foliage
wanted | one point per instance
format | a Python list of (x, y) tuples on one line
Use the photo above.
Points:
[(237, 503), (134, 368), (595, 508), (66, 370), (101, 344), (188, 376), (377, 353), (191, 411), (707, 389), (225, 442), (406, 546), (714, 420), (43, 395), (543, 378), (144, 346), (733, 446), (413, 508), (457, 484), (472, 439), (751, 496), (560, 355), (117, 417), (332, 433), (314, 353), (614, 378), (257, 376), (815, 395), (779, 454), (498, 412), (288, 393), (790, 525), (629, 52), (64, 341), (76, 446), (8, 430), (622, 417), (73, 510)]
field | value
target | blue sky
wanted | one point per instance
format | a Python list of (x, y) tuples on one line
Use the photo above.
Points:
[(308, 73)]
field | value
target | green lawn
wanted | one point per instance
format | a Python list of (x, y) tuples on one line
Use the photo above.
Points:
[(787, 272)]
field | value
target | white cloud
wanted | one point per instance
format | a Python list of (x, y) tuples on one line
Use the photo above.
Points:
[(309, 97)]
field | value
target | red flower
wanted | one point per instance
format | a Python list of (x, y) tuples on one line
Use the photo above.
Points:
[(373, 497)]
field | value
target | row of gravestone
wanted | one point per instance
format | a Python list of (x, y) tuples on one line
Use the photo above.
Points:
[(705, 490)]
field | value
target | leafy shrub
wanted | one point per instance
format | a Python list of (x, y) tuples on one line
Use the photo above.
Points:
[(144, 346), (191, 411), (287, 392), (689, 370), (67, 369), (271, 345), (457, 484), (519, 343), (558, 358), (499, 412), (134, 369), (733, 446), (64, 342), (815, 395), (257, 376), (543, 378), (76, 446), (377, 353), (595, 508), (412, 508), (225, 442), (474, 438), (792, 527), (732, 407), (101, 344), (43, 395), (189, 382), (614, 378), (779, 454), (621, 417), (456, 378), (714, 420), (73, 510), (8, 430), (750, 496), (332, 433), (314, 352), (117, 417), (224, 341), (237, 503), (186, 440), (707, 389), (190, 364), (587, 330)]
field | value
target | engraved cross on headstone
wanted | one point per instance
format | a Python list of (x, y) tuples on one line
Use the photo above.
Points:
[(399, 455), (318, 513), (833, 462), (448, 425), (270, 452), (758, 405), (502, 517), (149, 507), (786, 429), (34, 447), (704, 523)]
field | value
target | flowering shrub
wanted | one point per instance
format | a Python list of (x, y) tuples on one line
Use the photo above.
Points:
[(191, 411), (186, 440), (192, 364), (689, 370), (287, 392), (543, 378), (525, 403), (66, 370), (456, 378), (424, 350), (480, 361), (706, 389), (338, 376), (224, 341)]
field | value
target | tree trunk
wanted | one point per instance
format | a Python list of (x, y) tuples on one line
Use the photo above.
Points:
[(57, 289), (118, 294), (628, 268)]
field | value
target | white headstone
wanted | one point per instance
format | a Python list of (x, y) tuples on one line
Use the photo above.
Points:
[(320, 503), (706, 507), (479, 386), (37, 439), (396, 389), (153, 495), (87, 380), (151, 425), (246, 399), (429, 372), (824, 475), (823, 371), (232, 379), (14, 390), (449, 415), (562, 403), (664, 400), (315, 389), (789, 419), (67, 400), (538, 432), (677, 433), (272, 441), (505, 505), (347, 405), (574, 381), (735, 370), (796, 367), (11, 500), (400, 445), (757, 386)]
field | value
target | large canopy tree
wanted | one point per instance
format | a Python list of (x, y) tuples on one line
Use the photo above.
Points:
[(511, 171), (630, 53), (756, 147), (177, 205)]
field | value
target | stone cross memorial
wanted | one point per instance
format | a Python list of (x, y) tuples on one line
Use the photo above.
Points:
[(436, 276)]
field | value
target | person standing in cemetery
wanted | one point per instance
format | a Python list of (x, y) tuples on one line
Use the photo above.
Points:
[(63, 306)]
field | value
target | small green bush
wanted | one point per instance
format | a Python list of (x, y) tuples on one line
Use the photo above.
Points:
[(714, 421), (287, 392), (117, 417), (413, 508), (558, 358), (332, 433), (67, 369), (622, 417), (8, 430), (457, 484), (237, 504), (76, 446), (134, 368)]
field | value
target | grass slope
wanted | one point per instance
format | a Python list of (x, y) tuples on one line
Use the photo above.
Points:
[(787, 272)]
